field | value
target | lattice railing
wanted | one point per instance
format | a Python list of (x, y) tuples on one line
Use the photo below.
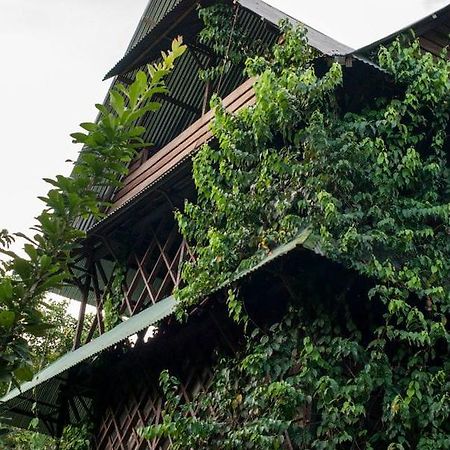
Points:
[(137, 405), (151, 272)]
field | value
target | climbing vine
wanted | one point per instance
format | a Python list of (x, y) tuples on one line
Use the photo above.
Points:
[(372, 184), (113, 300), (75, 438), (221, 20)]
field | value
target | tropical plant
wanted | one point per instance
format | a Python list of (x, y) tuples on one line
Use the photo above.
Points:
[(45, 349), (108, 146)]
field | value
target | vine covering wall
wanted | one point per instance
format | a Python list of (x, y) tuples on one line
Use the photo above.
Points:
[(373, 186)]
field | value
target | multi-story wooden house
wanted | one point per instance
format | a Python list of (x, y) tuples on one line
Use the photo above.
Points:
[(112, 380)]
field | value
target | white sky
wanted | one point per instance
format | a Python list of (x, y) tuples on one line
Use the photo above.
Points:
[(54, 54), (358, 23)]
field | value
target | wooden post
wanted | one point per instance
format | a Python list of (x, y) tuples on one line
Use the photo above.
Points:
[(82, 313), (206, 97)]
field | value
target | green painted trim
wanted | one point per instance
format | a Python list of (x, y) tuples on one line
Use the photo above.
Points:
[(144, 319)]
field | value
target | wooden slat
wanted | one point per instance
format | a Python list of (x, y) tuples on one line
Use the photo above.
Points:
[(196, 134), (204, 120), (180, 148)]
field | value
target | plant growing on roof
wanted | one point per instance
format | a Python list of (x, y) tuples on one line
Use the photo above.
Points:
[(108, 147), (228, 39)]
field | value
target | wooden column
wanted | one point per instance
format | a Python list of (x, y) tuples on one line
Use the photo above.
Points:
[(84, 300)]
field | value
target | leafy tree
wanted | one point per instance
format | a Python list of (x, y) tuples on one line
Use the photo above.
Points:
[(108, 147), (45, 349)]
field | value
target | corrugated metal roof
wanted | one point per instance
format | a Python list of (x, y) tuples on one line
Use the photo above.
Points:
[(46, 385), (150, 45), (325, 44), (433, 32), (154, 39)]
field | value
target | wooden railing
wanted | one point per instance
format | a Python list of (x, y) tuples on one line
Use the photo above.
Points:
[(181, 148)]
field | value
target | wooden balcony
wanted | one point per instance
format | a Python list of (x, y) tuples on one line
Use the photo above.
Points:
[(180, 149)]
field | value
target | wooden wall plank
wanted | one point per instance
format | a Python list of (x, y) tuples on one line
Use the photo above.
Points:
[(182, 147)]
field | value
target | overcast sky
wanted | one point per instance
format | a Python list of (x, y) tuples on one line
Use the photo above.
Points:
[(54, 54), (358, 23)]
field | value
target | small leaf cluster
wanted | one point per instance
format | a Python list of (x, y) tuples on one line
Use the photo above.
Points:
[(75, 438), (228, 39), (108, 147)]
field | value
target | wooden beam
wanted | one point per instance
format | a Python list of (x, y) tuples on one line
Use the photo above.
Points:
[(82, 312), (182, 147)]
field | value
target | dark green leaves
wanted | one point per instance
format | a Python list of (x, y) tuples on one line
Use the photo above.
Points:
[(374, 188), (6, 289), (23, 373), (23, 268), (7, 318)]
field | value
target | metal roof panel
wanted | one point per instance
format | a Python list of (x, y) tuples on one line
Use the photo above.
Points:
[(45, 385)]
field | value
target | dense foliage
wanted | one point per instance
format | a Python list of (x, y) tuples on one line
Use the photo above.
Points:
[(73, 438), (373, 185), (45, 349), (108, 147)]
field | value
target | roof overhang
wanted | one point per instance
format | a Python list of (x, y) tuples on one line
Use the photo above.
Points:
[(420, 27), (321, 42), (150, 46), (41, 397)]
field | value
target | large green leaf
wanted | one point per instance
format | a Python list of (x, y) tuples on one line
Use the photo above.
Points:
[(7, 318), (117, 102), (24, 373), (6, 289), (38, 329)]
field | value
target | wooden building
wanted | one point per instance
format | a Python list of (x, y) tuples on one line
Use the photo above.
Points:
[(108, 378)]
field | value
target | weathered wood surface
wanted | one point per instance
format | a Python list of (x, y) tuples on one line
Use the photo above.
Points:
[(182, 147)]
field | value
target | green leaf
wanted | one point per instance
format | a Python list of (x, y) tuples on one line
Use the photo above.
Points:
[(79, 138), (89, 126), (23, 268), (7, 318), (38, 329), (6, 289), (53, 281), (137, 131), (30, 250), (137, 89), (24, 373), (102, 109), (141, 80), (117, 102)]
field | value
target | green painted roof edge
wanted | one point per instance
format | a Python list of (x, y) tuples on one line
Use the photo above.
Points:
[(144, 319), (147, 318)]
